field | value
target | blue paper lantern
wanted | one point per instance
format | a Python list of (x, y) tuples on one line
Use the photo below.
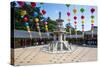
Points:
[(44, 19), (35, 14), (82, 24), (26, 24)]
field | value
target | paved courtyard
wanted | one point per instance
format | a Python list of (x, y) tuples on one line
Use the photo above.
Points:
[(35, 55)]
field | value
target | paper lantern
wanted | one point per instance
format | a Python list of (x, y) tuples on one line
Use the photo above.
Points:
[(36, 20), (26, 24), (68, 13), (92, 24), (82, 27), (46, 26), (22, 16), (45, 23), (75, 10), (23, 12), (35, 14), (44, 19), (68, 27), (82, 21), (82, 17), (41, 3), (38, 27), (92, 10), (33, 4), (92, 17), (82, 24), (43, 12), (75, 22), (68, 20), (28, 28), (25, 19), (21, 4), (75, 17), (92, 21), (46, 30), (37, 24), (82, 10), (67, 5)]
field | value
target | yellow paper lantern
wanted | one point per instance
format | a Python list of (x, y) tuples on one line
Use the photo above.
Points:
[(46, 26), (92, 21), (82, 21), (38, 27), (23, 12), (36, 20)]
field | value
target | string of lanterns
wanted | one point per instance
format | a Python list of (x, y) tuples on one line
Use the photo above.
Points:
[(82, 18), (75, 22), (26, 24), (45, 22), (68, 14), (46, 26), (23, 14), (92, 20)]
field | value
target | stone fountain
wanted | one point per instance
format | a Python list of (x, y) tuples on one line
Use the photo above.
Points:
[(59, 45)]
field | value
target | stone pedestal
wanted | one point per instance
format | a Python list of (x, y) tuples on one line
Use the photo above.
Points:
[(59, 46)]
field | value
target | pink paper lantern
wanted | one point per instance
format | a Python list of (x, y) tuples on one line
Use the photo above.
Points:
[(37, 24), (68, 13), (45, 23)]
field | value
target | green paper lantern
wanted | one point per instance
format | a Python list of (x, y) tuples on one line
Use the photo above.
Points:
[(92, 17), (82, 10), (67, 5)]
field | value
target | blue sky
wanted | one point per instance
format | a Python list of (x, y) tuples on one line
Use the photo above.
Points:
[(52, 11)]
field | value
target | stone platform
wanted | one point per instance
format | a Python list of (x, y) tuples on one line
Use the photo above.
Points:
[(35, 55)]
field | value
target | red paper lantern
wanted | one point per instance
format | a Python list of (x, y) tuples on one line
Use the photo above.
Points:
[(68, 27), (33, 4), (82, 17), (75, 22), (46, 30), (75, 17), (43, 12), (25, 19)]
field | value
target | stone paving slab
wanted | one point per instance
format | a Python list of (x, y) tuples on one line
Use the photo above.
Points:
[(34, 55)]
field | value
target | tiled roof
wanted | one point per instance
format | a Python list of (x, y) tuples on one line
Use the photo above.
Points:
[(25, 34)]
